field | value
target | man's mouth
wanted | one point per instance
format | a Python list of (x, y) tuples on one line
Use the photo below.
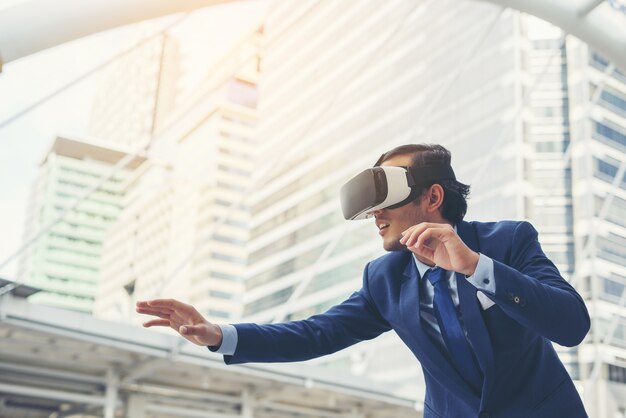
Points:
[(382, 226)]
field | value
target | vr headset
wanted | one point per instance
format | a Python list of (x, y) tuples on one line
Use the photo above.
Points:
[(387, 188)]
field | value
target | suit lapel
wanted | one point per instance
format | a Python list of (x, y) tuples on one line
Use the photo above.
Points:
[(434, 362), (470, 311)]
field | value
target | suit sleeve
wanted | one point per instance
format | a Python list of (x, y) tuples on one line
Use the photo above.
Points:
[(354, 320), (532, 291)]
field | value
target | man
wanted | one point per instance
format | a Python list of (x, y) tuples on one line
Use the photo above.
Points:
[(477, 303)]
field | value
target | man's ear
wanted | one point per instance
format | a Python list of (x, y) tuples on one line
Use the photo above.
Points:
[(435, 196)]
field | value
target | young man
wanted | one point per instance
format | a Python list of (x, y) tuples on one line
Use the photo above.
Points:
[(477, 303)]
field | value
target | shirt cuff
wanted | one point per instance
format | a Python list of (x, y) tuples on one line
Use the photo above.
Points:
[(483, 278), (229, 340)]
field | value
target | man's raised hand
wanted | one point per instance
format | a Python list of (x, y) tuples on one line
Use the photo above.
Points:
[(182, 318), (440, 244)]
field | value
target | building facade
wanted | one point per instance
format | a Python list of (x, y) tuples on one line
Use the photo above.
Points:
[(324, 115), (65, 259), (597, 95), (184, 225), (536, 124), (137, 90)]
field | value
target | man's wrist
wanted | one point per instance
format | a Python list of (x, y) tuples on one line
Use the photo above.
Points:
[(472, 267), (220, 336), (228, 340)]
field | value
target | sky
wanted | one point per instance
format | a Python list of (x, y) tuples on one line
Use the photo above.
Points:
[(204, 36)]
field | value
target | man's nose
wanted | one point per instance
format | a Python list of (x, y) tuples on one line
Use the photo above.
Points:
[(376, 212)]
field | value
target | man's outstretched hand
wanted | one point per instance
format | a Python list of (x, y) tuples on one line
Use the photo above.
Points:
[(182, 318)]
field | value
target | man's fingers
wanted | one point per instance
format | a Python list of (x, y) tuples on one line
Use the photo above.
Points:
[(166, 306), (163, 303), (170, 315), (159, 314), (414, 235), (157, 323), (406, 235), (422, 239), (172, 304), (422, 236), (425, 252), (406, 231), (153, 311), (176, 317), (411, 235)]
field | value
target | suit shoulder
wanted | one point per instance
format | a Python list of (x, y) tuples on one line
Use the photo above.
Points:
[(388, 263), (499, 240), (499, 228)]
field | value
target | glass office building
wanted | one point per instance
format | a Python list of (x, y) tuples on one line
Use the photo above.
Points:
[(183, 229), (534, 120), (65, 260), (597, 94), (324, 115)]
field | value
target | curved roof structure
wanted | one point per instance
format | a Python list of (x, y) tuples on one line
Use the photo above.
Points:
[(600, 23), (30, 26), (56, 362)]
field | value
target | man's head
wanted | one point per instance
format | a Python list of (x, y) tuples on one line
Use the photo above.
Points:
[(440, 201)]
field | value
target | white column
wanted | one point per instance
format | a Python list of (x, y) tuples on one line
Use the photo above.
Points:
[(136, 407), (247, 403), (110, 396)]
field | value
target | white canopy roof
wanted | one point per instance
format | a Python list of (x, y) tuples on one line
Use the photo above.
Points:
[(29, 26), (64, 362), (600, 23)]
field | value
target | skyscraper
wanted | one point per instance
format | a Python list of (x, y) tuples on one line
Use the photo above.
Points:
[(597, 96), (65, 259), (536, 124), (184, 225), (137, 91), (332, 100)]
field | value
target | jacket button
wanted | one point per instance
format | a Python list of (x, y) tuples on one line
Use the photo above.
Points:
[(516, 300)]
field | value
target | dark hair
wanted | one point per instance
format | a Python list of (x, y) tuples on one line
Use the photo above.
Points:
[(455, 196)]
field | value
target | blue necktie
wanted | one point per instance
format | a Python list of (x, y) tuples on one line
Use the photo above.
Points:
[(451, 330)]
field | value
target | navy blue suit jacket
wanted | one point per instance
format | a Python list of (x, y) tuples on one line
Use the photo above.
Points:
[(533, 306)]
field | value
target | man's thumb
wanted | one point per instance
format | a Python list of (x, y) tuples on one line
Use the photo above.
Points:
[(191, 329)]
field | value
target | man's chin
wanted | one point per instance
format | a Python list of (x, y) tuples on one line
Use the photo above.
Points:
[(393, 246)]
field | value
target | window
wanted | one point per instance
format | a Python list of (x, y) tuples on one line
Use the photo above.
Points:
[(297, 263), (613, 135), (605, 169), (615, 100), (612, 248), (318, 199), (231, 258), (218, 313), (300, 235), (228, 240), (269, 301), (617, 374), (225, 276), (221, 295), (612, 288)]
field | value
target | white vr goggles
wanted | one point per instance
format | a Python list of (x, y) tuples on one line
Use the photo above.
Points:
[(386, 187)]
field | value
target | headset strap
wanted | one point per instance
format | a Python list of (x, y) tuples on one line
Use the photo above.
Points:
[(424, 175)]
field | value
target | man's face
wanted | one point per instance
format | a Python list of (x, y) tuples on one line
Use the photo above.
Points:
[(392, 222)]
